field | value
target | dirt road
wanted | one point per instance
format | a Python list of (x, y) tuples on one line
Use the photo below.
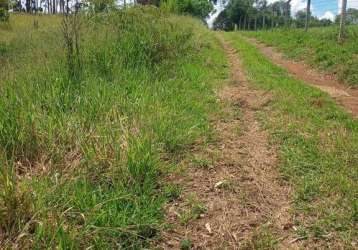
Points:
[(233, 197), (345, 96)]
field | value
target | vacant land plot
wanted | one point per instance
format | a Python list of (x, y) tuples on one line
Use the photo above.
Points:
[(123, 129)]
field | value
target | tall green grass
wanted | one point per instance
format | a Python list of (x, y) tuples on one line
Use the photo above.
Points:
[(82, 161), (319, 48)]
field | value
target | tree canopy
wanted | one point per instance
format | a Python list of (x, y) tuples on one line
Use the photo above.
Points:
[(4, 6), (197, 8)]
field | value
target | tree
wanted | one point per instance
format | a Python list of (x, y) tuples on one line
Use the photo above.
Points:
[(238, 12), (146, 2), (4, 13), (4, 4), (223, 22), (255, 14), (300, 18), (201, 8), (101, 5), (196, 8), (16, 5), (351, 17)]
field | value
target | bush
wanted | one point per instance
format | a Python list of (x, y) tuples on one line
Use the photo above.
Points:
[(142, 38), (196, 8), (4, 15)]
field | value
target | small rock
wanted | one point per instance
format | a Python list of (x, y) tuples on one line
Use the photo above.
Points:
[(219, 184), (208, 227)]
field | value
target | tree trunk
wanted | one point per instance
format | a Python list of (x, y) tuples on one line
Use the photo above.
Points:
[(342, 32), (53, 6), (28, 6), (245, 20), (308, 13), (263, 22)]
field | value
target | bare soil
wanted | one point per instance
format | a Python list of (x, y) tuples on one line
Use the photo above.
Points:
[(242, 201), (345, 96)]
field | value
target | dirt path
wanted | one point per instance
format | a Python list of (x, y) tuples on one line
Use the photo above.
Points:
[(347, 97), (232, 197)]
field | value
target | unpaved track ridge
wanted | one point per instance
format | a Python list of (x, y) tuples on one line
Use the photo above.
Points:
[(252, 199), (345, 96)]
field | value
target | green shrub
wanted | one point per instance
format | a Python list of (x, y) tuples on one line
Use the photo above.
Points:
[(196, 8), (4, 15)]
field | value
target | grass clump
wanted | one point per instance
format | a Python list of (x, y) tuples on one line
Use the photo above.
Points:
[(261, 239), (82, 158), (319, 48), (186, 244), (317, 147), (194, 210)]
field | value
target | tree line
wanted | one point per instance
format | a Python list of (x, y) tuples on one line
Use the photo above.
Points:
[(259, 14), (197, 8)]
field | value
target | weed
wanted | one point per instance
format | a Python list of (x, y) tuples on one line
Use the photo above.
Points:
[(71, 28), (16, 206), (186, 244), (263, 238), (194, 211), (202, 162), (172, 191)]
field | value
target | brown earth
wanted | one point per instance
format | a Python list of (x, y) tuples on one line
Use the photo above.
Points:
[(345, 96), (233, 197)]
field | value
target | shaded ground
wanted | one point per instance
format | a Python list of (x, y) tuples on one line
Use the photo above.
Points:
[(346, 96), (232, 197)]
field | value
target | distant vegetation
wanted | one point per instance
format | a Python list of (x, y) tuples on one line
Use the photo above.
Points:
[(196, 8), (4, 14), (95, 110), (319, 48), (260, 14)]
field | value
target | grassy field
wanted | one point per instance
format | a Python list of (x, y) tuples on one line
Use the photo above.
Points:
[(84, 149), (319, 48), (318, 145), (96, 112)]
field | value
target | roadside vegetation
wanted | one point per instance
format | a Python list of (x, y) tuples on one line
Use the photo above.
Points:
[(319, 48), (317, 144), (95, 110)]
